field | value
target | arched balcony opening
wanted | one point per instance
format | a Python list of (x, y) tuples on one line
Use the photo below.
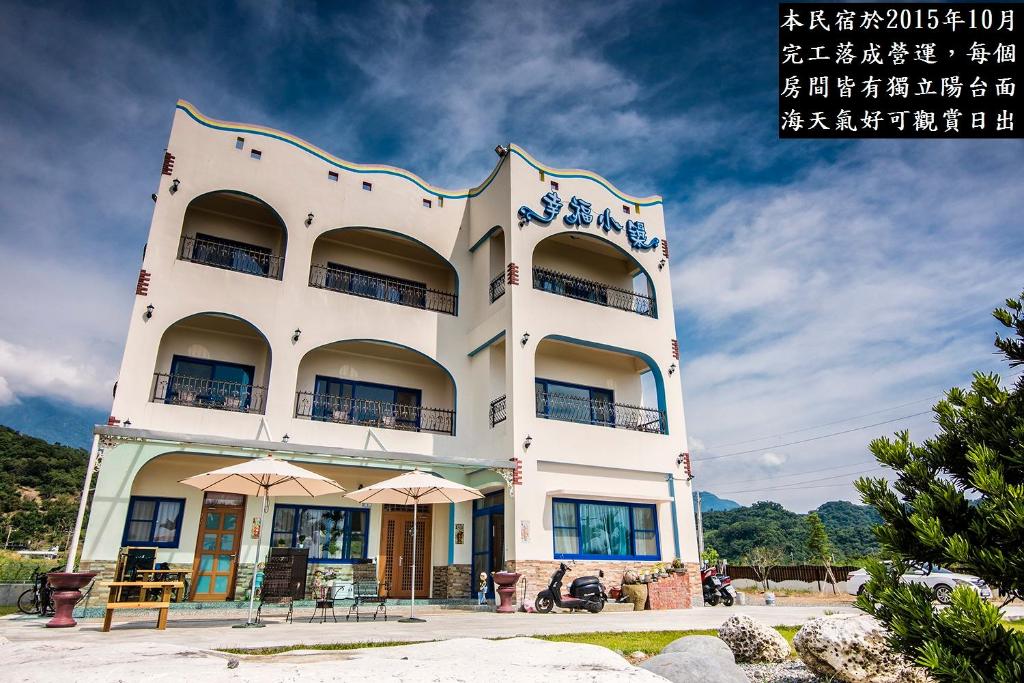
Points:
[(214, 361), (594, 384), (234, 231), (496, 262), (374, 383), (589, 268), (377, 264)]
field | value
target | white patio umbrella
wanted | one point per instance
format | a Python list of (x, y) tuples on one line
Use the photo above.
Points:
[(415, 487), (264, 477)]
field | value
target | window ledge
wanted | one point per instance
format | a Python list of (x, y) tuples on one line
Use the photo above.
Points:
[(599, 496)]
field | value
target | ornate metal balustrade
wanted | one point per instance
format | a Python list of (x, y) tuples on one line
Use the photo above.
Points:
[(357, 411), (497, 287), (594, 292), (231, 256), (382, 288), (199, 392), (499, 411), (555, 406)]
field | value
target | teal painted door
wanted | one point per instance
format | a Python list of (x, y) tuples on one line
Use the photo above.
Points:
[(216, 560)]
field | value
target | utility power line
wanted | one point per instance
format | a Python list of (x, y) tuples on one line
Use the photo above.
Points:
[(797, 484), (805, 472), (813, 438)]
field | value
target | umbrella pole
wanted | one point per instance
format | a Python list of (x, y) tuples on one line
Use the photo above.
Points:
[(252, 589), (412, 603)]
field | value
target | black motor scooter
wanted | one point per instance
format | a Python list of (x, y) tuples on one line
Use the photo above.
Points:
[(586, 592)]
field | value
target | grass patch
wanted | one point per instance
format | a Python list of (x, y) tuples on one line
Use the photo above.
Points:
[(7, 609), (648, 642), (278, 649)]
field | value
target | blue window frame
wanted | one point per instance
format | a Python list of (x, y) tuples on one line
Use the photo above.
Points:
[(361, 402), (332, 534), (574, 402), (210, 381), (153, 521), (603, 530)]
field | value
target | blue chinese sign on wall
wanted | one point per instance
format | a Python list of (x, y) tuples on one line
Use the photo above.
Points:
[(581, 215)]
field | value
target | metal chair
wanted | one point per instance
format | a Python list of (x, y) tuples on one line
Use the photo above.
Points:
[(368, 592), (324, 601)]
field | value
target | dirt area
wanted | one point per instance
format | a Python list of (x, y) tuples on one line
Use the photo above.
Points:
[(801, 598)]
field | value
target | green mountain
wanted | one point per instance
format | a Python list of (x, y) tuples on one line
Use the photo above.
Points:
[(710, 502), (40, 484), (734, 533), (54, 421)]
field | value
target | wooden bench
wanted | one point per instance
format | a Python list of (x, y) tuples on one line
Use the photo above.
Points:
[(162, 575), (114, 601)]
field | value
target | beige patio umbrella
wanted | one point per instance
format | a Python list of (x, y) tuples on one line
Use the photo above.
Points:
[(264, 477), (414, 488)]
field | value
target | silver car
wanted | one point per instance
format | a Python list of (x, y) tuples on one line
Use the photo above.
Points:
[(941, 582)]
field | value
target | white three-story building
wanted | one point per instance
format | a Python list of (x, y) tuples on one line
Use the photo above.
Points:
[(518, 336)]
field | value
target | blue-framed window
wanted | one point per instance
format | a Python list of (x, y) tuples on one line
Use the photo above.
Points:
[(360, 402), (206, 381), (153, 521), (602, 530), (332, 534), (574, 402)]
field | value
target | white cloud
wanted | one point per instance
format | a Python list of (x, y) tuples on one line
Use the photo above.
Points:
[(774, 459), (7, 396), (35, 372)]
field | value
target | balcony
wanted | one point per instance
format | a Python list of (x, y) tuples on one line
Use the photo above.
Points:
[(497, 288), (200, 392), (231, 255), (369, 285), (593, 292), (572, 408), (327, 407), (499, 410)]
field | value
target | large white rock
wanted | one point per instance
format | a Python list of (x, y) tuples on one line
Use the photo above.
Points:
[(851, 648), (752, 641), (702, 646)]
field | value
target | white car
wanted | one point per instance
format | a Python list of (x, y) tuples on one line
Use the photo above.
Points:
[(941, 581)]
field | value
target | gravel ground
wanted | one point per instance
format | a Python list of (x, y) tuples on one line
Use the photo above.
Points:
[(792, 671)]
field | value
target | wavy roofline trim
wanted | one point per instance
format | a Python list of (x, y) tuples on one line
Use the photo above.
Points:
[(352, 167)]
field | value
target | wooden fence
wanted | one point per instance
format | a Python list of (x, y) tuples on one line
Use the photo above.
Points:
[(796, 572)]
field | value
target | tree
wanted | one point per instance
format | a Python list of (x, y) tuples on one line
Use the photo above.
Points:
[(958, 501), (819, 548), (763, 559)]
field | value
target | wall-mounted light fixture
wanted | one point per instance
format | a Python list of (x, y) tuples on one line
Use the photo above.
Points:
[(501, 151), (309, 219), (153, 196), (681, 458), (525, 338), (672, 369), (661, 264), (174, 185), (527, 442), (126, 423), (523, 222), (284, 439), (149, 311), (296, 334)]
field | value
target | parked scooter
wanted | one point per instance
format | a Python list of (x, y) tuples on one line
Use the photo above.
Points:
[(712, 586), (586, 592), (727, 591)]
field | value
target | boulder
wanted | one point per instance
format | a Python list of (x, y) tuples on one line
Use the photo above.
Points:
[(852, 648), (752, 641), (702, 646), (688, 667)]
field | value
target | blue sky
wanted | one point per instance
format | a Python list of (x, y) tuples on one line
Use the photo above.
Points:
[(815, 281)]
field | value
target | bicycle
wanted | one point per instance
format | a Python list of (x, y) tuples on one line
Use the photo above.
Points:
[(37, 599)]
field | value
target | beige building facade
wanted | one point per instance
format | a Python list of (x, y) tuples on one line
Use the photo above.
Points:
[(518, 336)]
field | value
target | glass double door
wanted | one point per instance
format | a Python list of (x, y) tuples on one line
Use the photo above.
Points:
[(216, 559), (488, 545)]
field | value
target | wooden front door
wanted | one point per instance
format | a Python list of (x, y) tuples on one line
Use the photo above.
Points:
[(216, 560), (396, 551)]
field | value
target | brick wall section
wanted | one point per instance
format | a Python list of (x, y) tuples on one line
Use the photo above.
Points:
[(672, 592), (538, 573), (451, 582)]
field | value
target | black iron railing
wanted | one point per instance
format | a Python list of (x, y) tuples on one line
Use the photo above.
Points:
[(555, 406), (382, 288), (199, 392), (239, 257), (499, 410), (594, 292), (357, 411), (497, 287)]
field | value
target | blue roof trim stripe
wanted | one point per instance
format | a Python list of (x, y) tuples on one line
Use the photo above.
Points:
[(558, 174)]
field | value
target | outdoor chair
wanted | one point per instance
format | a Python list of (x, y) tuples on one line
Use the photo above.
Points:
[(368, 593), (281, 602), (324, 596)]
